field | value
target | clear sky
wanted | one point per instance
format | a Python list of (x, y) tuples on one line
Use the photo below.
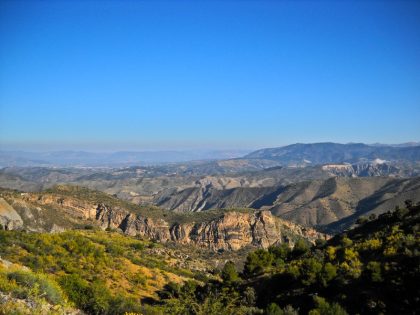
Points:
[(207, 74)]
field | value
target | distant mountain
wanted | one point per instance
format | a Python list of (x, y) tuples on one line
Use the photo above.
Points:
[(142, 183), (322, 153), (220, 161), (405, 144), (321, 184), (111, 159)]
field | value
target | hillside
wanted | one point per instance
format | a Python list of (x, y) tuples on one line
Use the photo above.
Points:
[(333, 203), (343, 200), (331, 196), (107, 256), (144, 184), (68, 207), (372, 269), (139, 184), (95, 271), (101, 272)]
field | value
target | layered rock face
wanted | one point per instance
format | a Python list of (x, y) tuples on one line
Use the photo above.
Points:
[(231, 230)]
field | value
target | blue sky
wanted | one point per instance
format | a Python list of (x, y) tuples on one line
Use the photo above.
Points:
[(207, 74)]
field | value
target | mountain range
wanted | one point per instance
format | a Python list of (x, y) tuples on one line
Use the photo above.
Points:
[(110, 159), (295, 154), (302, 224), (322, 153), (329, 196)]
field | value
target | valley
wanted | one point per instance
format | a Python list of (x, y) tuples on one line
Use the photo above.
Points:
[(330, 196), (206, 237)]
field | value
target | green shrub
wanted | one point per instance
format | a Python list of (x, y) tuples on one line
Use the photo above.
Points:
[(6, 284), (124, 305), (47, 287), (137, 246), (76, 288), (139, 279), (114, 249), (93, 297)]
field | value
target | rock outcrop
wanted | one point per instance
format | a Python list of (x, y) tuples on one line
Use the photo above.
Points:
[(228, 230), (231, 231), (367, 169), (9, 218)]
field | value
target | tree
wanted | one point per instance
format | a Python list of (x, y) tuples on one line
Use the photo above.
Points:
[(325, 308), (229, 273), (362, 220), (345, 241), (250, 296), (372, 217), (328, 273), (289, 310), (401, 212), (373, 270), (301, 247), (170, 290), (331, 253), (351, 266), (408, 203), (274, 309), (310, 270), (280, 251), (257, 261), (280, 254), (320, 242)]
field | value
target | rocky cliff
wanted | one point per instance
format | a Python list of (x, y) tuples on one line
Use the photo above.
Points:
[(229, 230)]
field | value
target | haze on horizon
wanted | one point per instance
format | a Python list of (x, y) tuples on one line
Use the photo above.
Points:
[(131, 75)]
